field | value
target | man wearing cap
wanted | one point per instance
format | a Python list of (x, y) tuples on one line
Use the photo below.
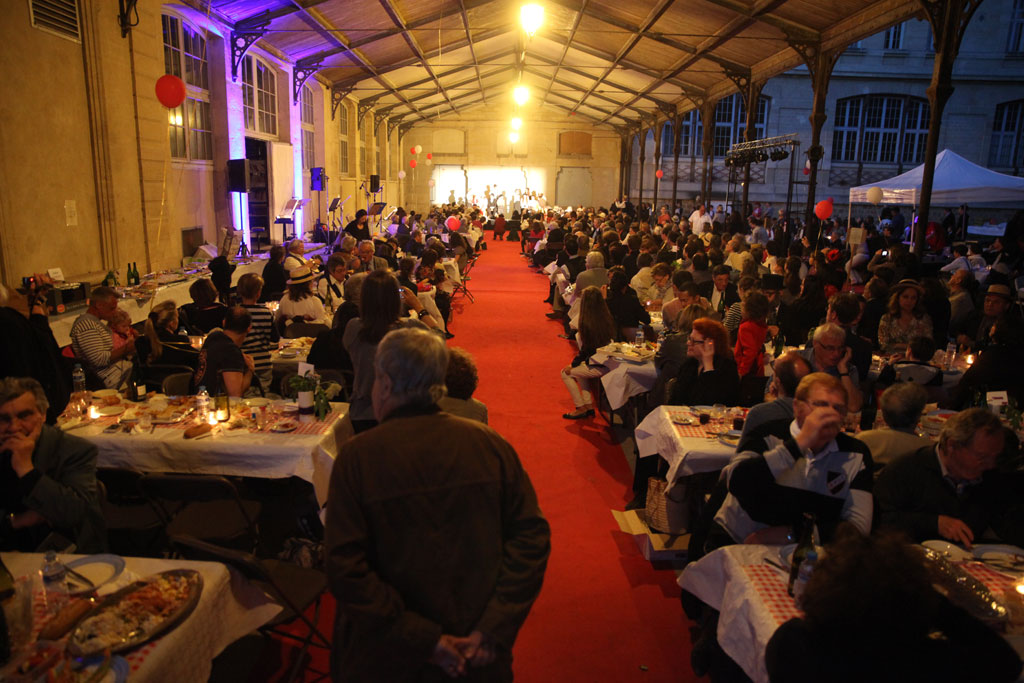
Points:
[(997, 303)]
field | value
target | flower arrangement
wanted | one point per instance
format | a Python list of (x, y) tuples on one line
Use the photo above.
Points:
[(322, 392)]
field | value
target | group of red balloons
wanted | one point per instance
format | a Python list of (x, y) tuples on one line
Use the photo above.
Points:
[(416, 150)]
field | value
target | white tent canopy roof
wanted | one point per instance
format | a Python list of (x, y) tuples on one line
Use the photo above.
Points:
[(957, 181)]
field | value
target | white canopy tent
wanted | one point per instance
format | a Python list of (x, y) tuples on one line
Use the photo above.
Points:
[(957, 181)]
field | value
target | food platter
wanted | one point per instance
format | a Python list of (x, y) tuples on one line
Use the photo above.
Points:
[(138, 613)]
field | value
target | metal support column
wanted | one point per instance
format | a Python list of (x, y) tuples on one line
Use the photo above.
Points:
[(819, 64)]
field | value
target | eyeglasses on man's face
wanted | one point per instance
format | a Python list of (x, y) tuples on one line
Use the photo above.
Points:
[(821, 403)]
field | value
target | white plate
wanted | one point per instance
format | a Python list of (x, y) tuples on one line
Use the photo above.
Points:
[(107, 411), (1004, 557), (284, 426), (104, 393), (100, 569), (952, 552)]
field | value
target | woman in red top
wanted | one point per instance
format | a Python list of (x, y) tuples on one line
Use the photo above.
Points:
[(751, 334)]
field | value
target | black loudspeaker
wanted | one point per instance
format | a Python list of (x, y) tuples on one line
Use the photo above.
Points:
[(238, 175), (375, 183), (317, 179)]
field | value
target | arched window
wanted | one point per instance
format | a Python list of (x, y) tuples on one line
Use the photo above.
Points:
[(259, 95), (880, 129), (308, 129), (691, 133), (190, 131), (1007, 150)]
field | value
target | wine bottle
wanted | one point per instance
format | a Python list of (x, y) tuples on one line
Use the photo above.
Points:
[(780, 343), (805, 546)]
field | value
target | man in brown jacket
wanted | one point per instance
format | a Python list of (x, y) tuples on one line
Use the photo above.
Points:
[(436, 547)]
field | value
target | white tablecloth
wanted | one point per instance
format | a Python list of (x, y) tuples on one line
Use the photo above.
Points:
[(625, 379), (656, 434), (240, 453), (228, 609), (139, 309), (451, 269), (746, 622)]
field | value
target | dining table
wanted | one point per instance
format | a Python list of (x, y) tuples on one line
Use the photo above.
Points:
[(688, 447), (307, 452), (626, 377), (747, 585), (229, 607)]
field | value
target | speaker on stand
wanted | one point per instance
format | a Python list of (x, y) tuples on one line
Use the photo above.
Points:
[(318, 183)]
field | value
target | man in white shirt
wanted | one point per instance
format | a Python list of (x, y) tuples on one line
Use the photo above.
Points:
[(817, 469), (700, 220), (959, 262)]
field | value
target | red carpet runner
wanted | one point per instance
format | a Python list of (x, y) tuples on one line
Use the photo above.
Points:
[(604, 614)]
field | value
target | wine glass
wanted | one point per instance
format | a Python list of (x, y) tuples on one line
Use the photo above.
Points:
[(718, 413), (145, 423)]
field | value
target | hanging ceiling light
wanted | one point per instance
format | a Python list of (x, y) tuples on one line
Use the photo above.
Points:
[(521, 94), (513, 137), (517, 123), (531, 17)]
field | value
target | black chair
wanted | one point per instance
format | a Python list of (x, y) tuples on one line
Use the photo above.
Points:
[(296, 330), (208, 507), (177, 384), (155, 374), (134, 528), (293, 587)]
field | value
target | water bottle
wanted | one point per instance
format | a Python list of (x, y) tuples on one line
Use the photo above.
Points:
[(203, 405), (639, 337), (950, 355), (806, 569), (55, 582), (78, 378)]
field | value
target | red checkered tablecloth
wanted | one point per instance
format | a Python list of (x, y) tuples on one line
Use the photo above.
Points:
[(994, 580), (692, 431), (315, 427), (771, 588)]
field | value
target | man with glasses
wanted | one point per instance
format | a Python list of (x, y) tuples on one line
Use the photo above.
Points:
[(953, 490), (829, 353), (816, 469), (47, 477)]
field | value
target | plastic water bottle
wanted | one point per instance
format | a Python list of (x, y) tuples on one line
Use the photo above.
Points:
[(806, 569), (78, 379), (950, 355), (203, 405), (639, 337), (55, 582)]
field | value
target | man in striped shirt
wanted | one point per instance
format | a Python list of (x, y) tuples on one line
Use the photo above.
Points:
[(93, 341)]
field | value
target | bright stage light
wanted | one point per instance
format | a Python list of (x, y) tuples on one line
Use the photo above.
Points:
[(513, 137), (521, 94), (517, 123), (531, 17)]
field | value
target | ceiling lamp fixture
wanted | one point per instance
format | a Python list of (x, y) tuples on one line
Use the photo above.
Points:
[(517, 123), (531, 17), (521, 94), (513, 137)]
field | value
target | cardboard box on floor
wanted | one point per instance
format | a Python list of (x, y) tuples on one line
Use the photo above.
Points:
[(655, 547)]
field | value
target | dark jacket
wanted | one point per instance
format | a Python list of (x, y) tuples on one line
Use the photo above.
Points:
[(275, 281), (627, 311), (28, 349), (439, 534), (998, 367), (694, 388), (912, 493), (731, 294), (62, 488)]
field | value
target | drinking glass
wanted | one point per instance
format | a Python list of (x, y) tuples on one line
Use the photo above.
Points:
[(145, 423), (718, 413)]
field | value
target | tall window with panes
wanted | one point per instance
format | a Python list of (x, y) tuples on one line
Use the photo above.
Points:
[(1007, 149), (190, 132), (343, 162), (259, 96), (364, 134), (880, 129), (1015, 43), (308, 129), (731, 122), (381, 148), (893, 39)]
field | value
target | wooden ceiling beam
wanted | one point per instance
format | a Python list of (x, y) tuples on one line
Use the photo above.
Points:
[(397, 19)]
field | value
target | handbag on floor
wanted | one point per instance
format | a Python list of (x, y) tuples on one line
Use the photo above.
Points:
[(666, 512)]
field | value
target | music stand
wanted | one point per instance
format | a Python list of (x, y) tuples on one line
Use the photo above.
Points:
[(287, 217), (374, 211)]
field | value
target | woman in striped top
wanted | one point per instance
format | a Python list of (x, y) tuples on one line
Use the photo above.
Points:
[(262, 337)]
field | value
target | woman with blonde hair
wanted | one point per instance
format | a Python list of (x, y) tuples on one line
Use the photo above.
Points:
[(596, 328), (165, 339)]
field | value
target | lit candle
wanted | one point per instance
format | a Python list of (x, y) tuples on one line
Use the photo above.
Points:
[(970, 359), (94, 412), (212, 419)]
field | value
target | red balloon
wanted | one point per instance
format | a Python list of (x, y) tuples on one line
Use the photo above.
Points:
[(412, 163), (170, 90), (659, 173), (429, 155), (823, 209), (453, 223), (412, 150)]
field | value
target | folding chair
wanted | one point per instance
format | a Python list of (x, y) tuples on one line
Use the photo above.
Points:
[(465, 277), (293, 587), (210, 508), (177, 384), (133, 526)]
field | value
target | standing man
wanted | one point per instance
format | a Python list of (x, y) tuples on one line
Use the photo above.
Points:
[(435, 547), (700, 220), (93, 341)]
